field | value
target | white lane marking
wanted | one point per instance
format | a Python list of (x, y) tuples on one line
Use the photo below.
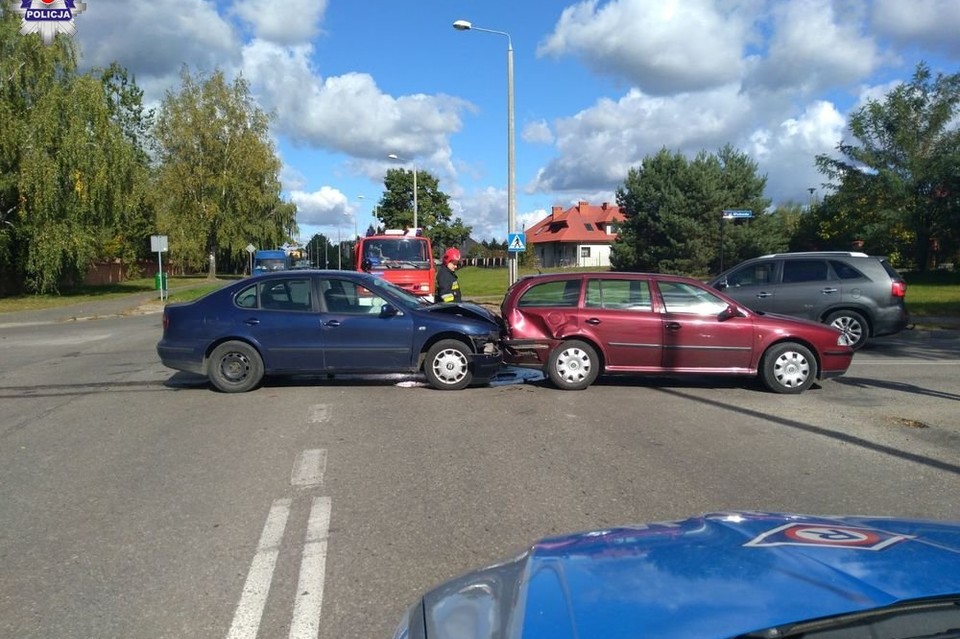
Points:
[(309, 468), (306, 608), (246, 620), (319, 413)]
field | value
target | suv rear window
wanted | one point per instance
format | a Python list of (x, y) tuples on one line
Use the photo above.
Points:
[(844, 271)]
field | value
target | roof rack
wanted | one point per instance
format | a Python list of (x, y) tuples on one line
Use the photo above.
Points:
[(818, 254)]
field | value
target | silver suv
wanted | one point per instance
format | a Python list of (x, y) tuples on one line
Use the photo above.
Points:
[(860, 294)]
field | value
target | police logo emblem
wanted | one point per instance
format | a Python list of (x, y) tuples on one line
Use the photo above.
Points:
[(47, 18)]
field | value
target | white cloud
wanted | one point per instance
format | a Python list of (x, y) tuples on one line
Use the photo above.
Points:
[(141, 36), (537, 132), (813, 47), (928, 23), (659, 46), (324, 207), (347, 113), (282, 23)]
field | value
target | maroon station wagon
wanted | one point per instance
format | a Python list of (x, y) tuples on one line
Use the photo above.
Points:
[(575, 326)]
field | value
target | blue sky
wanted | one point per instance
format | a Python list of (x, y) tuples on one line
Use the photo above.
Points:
[(599, 85)]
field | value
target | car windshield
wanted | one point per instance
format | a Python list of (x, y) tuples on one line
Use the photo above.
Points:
[(387, 251), (405, 299)]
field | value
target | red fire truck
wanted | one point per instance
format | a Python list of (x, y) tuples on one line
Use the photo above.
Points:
[(403, 257)]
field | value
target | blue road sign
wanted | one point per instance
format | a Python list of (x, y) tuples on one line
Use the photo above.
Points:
[(516, 243), (734, 213)]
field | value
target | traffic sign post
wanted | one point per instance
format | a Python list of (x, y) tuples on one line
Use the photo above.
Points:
[(516, 243), (158, 244)]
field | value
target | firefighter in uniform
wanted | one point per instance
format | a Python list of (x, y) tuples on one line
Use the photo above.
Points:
[(448, 287)]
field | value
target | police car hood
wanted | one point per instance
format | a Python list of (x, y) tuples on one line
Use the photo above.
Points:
[(464, 309), (715, 575)]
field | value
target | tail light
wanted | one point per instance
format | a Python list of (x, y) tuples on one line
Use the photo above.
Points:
[(166, 321), (898, 289)]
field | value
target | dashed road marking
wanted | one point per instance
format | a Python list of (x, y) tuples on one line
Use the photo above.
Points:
[(309, 469), (319, 413)]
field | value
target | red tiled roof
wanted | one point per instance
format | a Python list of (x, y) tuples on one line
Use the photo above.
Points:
[(571, 225)]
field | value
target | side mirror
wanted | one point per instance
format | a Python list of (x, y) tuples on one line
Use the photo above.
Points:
[(721, 284), (366, 264), (730, 312), (389, 310)]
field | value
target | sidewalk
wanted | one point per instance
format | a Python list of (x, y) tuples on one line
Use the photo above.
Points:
[(95, 309)]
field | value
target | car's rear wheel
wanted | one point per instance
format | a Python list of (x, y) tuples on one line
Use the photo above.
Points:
[(447, 365), (573, 365), (235, 367), (852, 325), (788, 368)]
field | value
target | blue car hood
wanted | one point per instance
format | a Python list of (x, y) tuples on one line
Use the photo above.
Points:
[(715, 575)]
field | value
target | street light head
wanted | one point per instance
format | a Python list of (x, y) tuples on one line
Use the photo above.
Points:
[(462, 25)]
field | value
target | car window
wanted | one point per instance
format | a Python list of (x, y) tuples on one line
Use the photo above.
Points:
[(625, 294), (752, 275), (681, 297), (797, 271), (286, 295), (564, 293), (844, 271), (345, 296), (247, 298)]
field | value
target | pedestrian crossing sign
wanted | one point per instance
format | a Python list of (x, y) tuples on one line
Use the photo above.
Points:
[(516, 243)]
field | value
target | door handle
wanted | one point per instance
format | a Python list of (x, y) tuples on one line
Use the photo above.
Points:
[(672, 326), (593, 321), (333, 323), (828, 291), (764, 295), (253, 321)]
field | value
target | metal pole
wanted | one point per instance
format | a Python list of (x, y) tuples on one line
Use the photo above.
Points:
[(339, 249), (511, 169), (414, 196)]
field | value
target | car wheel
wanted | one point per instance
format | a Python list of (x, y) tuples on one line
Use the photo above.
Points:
[(235, 367), (447, 365), (788, 368), (573, 365), (852, 325)]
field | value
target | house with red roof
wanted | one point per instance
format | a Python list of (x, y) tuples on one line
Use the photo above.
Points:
[(579, 236)]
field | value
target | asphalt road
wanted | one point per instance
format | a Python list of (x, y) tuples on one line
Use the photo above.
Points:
[(136, 502)]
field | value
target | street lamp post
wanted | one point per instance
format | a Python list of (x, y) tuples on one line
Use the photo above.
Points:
[(394, 156), (464, 25)]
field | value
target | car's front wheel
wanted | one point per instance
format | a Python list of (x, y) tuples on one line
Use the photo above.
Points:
[(573, 365), (788, 368), (447, 365), (235, 367), (852, 325)]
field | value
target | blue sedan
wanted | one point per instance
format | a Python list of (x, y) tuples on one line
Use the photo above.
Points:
[(327, 322), (730, 574)]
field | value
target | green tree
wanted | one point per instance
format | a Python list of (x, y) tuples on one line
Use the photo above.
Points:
[(673, 210), (395, 209), (896, 187), (29, 71), (219, 174)]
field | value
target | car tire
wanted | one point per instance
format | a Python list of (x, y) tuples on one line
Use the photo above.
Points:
[(573, 365), (235, 367), (447, 365), (853, 326), (788, 368)]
